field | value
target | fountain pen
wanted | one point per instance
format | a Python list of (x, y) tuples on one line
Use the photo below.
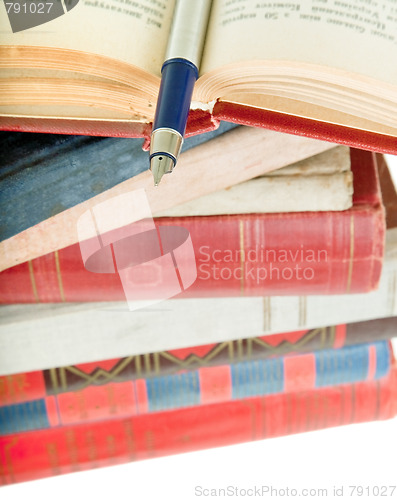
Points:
[(178, 76)]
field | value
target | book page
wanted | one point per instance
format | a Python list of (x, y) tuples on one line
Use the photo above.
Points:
[(132, 31), (357, 36), (319, 183)]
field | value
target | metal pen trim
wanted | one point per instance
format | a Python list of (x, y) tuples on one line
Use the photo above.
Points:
[(167, 142), (186, 39)]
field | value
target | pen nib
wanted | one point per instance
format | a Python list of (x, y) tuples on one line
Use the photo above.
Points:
[(160, 165)]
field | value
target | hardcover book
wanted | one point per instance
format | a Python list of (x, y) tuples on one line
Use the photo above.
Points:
[(118, 388), (32, 455), (69, 78), (17, 387)]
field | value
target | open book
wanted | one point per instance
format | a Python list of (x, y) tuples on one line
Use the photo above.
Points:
[(302, 66)]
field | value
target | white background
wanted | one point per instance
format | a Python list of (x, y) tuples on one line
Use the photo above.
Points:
[(355, 455)]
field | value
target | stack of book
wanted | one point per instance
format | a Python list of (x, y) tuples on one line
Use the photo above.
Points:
[(286, 328), (253, 294)]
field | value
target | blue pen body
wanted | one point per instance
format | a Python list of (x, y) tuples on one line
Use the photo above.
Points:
[(178, 77)]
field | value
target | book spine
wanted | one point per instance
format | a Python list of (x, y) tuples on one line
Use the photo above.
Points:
[(39, 454), (27, 386), (199, 122), (327, 253), (206, 385), (298, 125)]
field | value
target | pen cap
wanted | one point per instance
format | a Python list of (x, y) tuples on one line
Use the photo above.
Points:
[(188, 30)]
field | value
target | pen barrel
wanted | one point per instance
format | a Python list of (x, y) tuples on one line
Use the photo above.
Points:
[(178, 77), (189, 27)]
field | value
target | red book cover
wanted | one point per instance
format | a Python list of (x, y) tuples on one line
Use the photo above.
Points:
[(199, 122), (298, 125), (203, 121), (255, 254), (33, 455)]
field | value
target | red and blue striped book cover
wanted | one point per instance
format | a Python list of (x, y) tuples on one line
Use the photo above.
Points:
[(26, 456), (206, 385)]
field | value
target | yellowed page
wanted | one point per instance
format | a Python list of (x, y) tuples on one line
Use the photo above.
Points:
[(134, 32), (357, 36)]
